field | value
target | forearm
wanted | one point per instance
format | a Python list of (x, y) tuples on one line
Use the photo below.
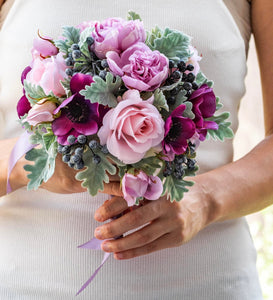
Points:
[(18, 176), (242, 187)]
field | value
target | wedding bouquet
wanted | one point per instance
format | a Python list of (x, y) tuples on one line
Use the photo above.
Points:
[(114, 99)]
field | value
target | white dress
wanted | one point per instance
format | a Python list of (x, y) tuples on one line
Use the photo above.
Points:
[(40, 231)]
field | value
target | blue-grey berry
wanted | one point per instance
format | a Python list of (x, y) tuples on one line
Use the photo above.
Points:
[(75, 47), (69, 61), (104, 64), (76, 54), (103, 74), (75, 158), (66, 158), (66, 149), (96, 159), (71, 139), (81, 139), (79, 165), (60, 148), (71, 165), (79, 151), (90, 41), (93, 144), (69, 72), (104, 149)]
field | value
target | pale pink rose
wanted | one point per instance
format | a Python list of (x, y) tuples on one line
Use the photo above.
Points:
[(115, 34), (43, 47), (48, 73), (41, 112), (139, 67), (194, 60), (131, 128), (140, 185)]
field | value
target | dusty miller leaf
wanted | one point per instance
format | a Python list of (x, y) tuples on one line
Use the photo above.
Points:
[(102, 91), (224, 130), (94, 175), (172, 43), (160, 101), (133, 16)]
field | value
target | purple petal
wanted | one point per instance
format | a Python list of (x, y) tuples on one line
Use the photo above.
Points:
[(64, 103), (61, 125), (24, 74), (88, 128), (79, 81), (23, 106)]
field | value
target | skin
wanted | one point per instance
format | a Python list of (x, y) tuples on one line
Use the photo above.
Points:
[(232, 191)]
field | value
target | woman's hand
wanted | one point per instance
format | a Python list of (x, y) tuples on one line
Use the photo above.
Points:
[(166, 224)]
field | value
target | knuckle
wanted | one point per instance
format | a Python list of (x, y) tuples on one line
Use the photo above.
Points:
[(143, 238), (108, 230)]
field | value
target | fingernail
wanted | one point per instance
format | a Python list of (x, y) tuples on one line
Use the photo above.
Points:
[(98, 216), (98, 233), (106, 247)]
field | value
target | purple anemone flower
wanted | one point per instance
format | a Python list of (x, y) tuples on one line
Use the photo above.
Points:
[(204, 106), (178, 130), (78, 116)]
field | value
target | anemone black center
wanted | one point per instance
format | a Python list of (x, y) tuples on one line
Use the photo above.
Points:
[(175, 131), (78, 111)]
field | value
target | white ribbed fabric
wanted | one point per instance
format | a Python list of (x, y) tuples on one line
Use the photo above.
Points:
[(40, 231)]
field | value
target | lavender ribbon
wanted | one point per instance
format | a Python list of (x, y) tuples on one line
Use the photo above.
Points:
[(21, 147), (93, 244)]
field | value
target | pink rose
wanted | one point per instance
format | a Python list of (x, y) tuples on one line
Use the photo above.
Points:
[(41, 112), (43, 47), (140, 67), (48, 73), (115, 34), (141, 185), (194, 60), (131, 128)]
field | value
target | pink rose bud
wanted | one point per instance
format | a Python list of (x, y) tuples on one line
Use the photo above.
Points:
[(48, 73), (41, 112), (43, 47), (132, 128), (141, 185)]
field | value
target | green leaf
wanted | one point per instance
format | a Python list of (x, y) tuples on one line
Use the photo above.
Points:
[(224, 130), (160, 101), (148, 165), (34, 92), (44, 165), (48, 139), (72, 34), (175, 188), (66, 85), (82, 44), (202, 79), (62, 45), (172, 43), (95, 175), (102, 91), (133, 16), (188, 111)]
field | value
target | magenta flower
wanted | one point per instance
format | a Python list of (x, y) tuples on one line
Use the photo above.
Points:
[(140, 185), (178, 130), (204, 106), (78, 116), (140, 67)]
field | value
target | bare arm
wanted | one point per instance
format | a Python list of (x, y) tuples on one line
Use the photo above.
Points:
[(1, 3), (232, 191)]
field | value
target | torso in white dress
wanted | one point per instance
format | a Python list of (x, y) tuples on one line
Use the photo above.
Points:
[(40, 231)]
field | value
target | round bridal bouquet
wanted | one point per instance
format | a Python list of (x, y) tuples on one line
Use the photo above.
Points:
[(112, 98)]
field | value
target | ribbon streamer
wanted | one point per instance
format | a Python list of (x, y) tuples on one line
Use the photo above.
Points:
[(21, 147), (93, 244)]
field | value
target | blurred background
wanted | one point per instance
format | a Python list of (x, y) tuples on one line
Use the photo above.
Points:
[(250, 132)]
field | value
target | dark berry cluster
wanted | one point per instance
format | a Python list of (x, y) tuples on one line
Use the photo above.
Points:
[(77, 61), (183, 73), (72, 154), (181, 163)]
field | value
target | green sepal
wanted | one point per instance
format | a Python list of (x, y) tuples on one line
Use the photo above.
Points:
[(133, 16), (103, 92), (224, 131), (94, 175), (160, 101), (148, 165), (172, 43)]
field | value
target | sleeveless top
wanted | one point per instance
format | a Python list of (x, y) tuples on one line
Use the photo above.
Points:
[(40, 231)]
